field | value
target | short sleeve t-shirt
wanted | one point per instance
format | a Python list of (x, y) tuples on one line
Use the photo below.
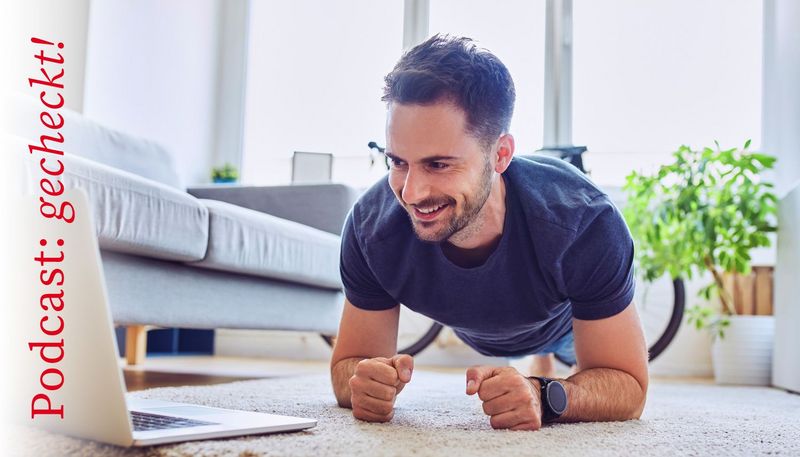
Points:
[(565, 252)]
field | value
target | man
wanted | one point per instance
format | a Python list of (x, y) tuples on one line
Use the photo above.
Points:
[(518, 256)]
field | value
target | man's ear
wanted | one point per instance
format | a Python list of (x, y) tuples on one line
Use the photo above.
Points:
[(504, 152)]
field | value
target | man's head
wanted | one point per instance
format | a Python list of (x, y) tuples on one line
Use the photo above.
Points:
[(450, 105)]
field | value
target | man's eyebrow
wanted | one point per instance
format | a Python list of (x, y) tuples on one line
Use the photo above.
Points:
[(436, 158)]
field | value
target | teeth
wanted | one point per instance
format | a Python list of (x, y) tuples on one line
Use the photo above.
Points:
[(430, 210)]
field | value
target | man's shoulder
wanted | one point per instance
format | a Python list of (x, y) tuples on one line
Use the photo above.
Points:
[(552, 191), (377, 214)]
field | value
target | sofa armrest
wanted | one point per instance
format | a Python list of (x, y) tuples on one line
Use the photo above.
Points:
[(322, 206)]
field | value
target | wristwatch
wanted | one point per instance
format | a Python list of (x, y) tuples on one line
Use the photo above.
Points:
[(554, 398)]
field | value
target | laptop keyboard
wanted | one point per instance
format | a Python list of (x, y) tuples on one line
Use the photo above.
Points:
[(146, 421)]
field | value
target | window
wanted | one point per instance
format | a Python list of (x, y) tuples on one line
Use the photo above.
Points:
[(314, 83), (514, 32), (652, 75), (648, 76)]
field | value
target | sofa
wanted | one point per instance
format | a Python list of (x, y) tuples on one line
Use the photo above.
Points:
[(210, 257)]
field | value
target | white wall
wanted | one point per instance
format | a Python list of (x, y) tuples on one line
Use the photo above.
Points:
[(782, 138), (231, 81), (152, 71), (781, 110)]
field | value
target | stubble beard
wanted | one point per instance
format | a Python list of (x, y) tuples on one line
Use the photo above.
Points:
[(466, 223)]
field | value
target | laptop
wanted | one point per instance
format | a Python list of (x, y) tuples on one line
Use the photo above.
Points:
[(92, 388)]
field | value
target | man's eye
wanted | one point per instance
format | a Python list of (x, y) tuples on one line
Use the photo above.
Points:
[(438, 165), (395, 162)]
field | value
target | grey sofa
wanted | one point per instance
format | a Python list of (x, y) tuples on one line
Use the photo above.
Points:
[(213, 257)]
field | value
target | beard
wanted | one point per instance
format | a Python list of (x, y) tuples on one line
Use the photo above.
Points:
[(457, 222)]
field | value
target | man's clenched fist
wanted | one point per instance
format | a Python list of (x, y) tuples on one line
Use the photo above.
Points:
[(509, 398), (375, 385)]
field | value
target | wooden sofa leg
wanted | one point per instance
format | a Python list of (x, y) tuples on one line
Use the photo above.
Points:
[(135, 344)]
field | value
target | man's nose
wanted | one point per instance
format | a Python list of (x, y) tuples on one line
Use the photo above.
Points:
[(415, 188)]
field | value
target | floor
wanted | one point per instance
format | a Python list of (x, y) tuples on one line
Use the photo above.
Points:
[(173, 371), (434, 417)]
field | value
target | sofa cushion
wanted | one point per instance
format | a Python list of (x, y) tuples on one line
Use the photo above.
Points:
[(139, 216), (86, 138), (245, 241)]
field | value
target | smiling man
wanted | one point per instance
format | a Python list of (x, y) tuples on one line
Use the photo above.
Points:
[(518, 256)]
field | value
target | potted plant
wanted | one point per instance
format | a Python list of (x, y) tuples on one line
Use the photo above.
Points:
[(705, 212), (224, 174)]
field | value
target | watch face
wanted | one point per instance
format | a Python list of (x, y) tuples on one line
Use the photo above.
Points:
[(557, 397)]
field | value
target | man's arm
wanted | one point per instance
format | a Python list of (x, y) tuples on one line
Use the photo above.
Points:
[(611, 384), (612, 378), (363, 335)]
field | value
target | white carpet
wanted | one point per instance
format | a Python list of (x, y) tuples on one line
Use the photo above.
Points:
[(434, 417)]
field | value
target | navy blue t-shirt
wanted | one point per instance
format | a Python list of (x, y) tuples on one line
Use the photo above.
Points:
[(565, 251)]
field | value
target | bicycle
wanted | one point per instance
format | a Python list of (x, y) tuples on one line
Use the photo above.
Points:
[(661, 323)]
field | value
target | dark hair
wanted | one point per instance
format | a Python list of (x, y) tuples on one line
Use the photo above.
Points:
[(454, 69)]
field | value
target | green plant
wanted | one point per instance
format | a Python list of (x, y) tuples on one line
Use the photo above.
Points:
[(705, 211), (226, 172)]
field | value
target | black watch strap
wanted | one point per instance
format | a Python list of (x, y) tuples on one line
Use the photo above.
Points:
[(553, 398)]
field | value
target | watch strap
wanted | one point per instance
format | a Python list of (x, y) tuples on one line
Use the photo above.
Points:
[(548, 415)]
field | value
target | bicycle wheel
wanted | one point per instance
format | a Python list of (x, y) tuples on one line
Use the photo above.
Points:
[(415, 332), (660, 305), (674, 322)]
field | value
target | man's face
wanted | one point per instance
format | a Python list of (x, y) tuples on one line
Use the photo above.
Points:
[(439, 173)]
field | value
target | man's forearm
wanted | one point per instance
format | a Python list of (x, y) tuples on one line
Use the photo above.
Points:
[(603, 394), (340, 378)]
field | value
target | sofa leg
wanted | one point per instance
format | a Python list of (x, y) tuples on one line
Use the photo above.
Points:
[(135, 344)]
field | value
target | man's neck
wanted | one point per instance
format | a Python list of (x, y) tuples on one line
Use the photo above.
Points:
[(468, 258), (473, 245)]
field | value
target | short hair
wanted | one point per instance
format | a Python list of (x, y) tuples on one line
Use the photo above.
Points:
[(453, 69)]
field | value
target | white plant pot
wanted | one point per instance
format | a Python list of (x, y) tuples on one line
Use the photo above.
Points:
[(744, 356)]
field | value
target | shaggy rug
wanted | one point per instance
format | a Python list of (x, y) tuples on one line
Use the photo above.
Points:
[(435, 418)]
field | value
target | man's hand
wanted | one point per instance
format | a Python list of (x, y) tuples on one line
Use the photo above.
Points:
[(509, 398), (375, 385)]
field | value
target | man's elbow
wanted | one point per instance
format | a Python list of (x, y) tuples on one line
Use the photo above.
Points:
[(341, 393), (341, 388), (641, 398), (637, 414)]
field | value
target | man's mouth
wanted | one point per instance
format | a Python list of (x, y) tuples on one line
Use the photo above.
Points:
[(429, 213)]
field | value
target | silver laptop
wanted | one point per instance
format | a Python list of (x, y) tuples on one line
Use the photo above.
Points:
[(93, 390)]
